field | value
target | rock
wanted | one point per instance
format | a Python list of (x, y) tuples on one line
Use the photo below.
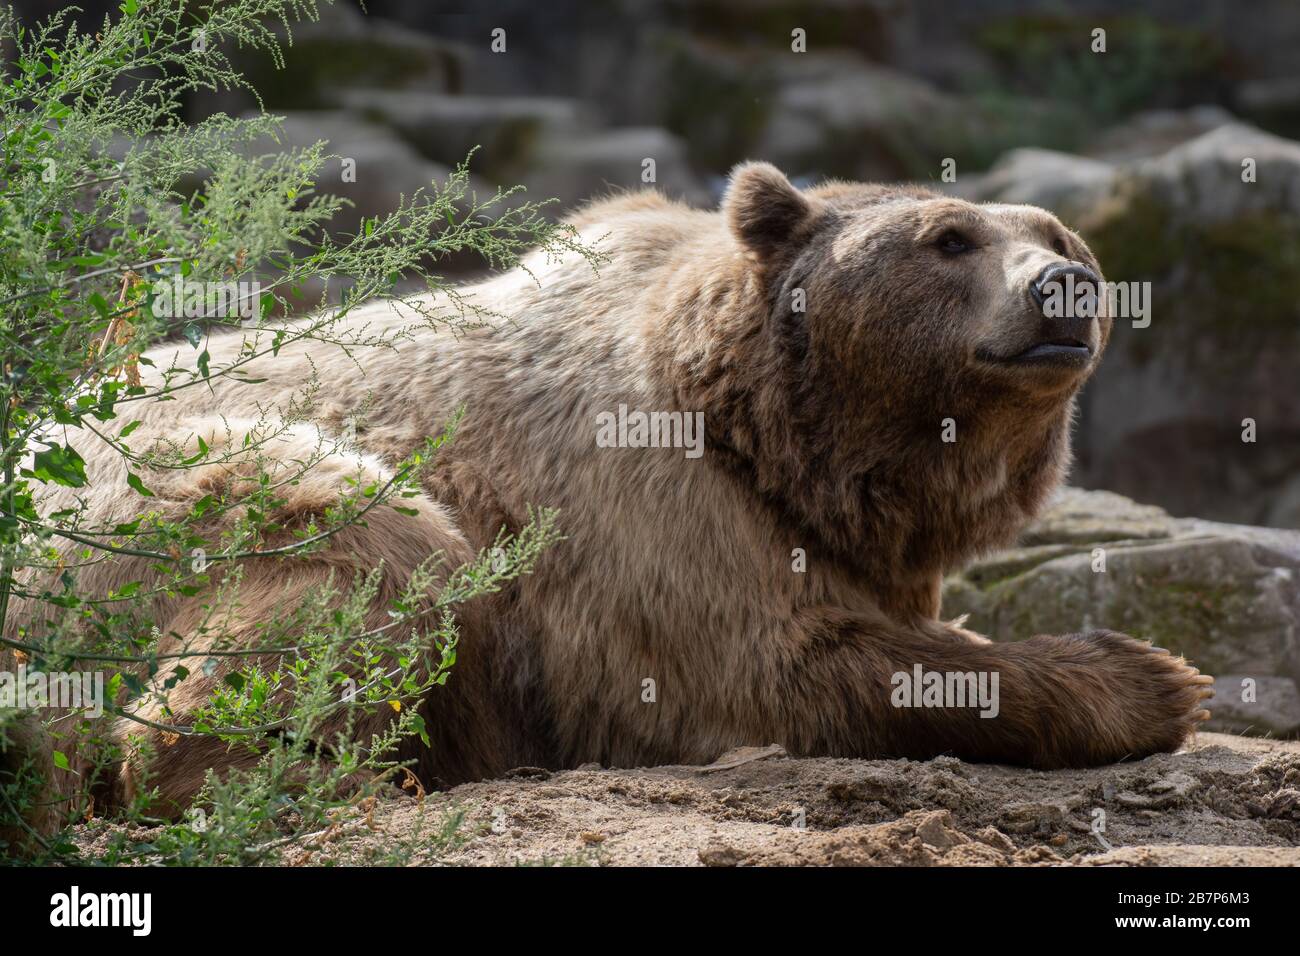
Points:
[(743, 755), (829, 111), (1035, 817), (1041, 177), (1166, 791), (1226, 596), (506, 130), (1084, 517), (1201, 179), (585, 165), (346, 49), (1189, 161), (528, 773), (836, 113), (992, 836), (327, 57), (937, 829), (1264, 706), (719, 854), (386, 167), (1153, 132)]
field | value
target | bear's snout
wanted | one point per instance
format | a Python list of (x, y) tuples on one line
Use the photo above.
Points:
[(1068, 297), (1066, 288)]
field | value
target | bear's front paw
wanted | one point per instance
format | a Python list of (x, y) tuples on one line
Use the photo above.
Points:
[(1146, 700)]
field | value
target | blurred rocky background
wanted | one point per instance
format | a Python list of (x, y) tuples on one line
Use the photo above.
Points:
[(1140, 148)]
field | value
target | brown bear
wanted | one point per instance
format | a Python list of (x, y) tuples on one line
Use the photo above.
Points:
[(857, 389)]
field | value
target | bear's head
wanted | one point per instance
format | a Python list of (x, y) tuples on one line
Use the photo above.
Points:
[(921, 355), (947, 298)]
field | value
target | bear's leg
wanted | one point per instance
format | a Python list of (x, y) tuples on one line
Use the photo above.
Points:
[(1061, 701), (261, 592), (269, 590)]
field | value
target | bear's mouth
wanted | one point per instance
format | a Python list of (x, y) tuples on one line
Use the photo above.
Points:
[(1067, 352)]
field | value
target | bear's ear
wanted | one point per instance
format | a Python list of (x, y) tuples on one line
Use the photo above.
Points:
[(764, 209)]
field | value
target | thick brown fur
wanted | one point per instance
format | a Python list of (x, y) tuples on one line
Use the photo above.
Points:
[(823, 433)]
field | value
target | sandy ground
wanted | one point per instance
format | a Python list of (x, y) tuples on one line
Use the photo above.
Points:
[(1224, 800)]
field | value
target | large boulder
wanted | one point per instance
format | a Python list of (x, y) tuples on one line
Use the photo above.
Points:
[(345, 49), (1154, 132), (325, 58), (505, 131), (1042, 177), (387, 167), (837, 113), (1226, 596), (825, 112), (594, 163)]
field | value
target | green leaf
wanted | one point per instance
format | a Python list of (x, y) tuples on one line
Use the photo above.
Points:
[(64, 416), (61, 760), (100, 304), (60, 464), (134, 481), (417, 723)]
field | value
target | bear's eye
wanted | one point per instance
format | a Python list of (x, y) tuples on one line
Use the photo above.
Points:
[(1058, 246), (953, 243)]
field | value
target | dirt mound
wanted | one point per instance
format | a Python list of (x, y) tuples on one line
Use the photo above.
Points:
[(1225, 800)]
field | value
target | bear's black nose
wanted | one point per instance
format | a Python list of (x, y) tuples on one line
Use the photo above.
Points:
[(1066, 290)]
